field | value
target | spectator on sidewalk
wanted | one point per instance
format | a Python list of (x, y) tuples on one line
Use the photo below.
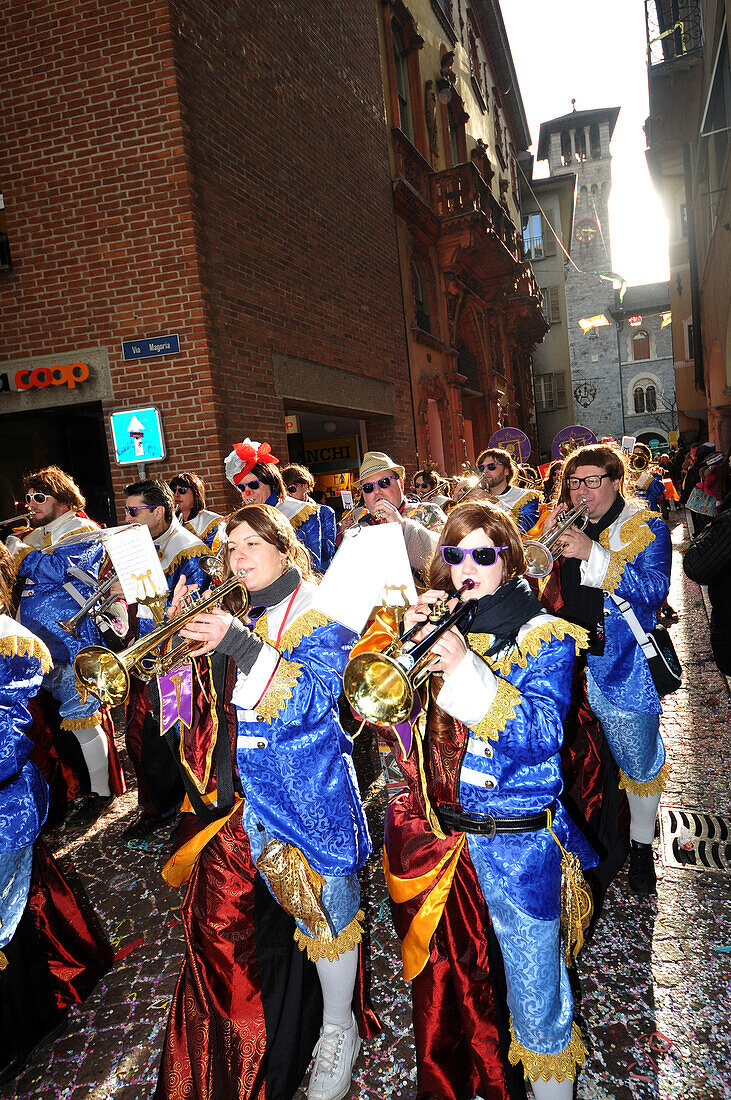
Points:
[(708, 561)]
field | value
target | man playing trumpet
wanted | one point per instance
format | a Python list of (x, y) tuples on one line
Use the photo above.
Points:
[(498, 471)]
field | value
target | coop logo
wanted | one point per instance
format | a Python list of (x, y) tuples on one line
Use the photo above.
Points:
[(37, 378)]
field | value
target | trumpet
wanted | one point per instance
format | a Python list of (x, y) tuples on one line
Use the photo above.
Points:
[(539, 554), (527, 477), (99, 596), (380, 686), (106, 675), (212, 564), (23, 518)]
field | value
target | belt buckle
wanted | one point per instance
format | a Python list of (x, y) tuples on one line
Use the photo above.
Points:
[(488, 826)]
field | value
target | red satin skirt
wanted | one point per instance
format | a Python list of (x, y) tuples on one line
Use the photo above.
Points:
[(460, 1015), (247, 1008)]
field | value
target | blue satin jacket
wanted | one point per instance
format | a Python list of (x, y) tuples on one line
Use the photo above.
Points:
[(293, 755), (633, 560), (44, 601), (512, 765), (23, 790)]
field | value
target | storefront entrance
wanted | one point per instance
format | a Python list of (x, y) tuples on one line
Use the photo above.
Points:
[(71, 437)]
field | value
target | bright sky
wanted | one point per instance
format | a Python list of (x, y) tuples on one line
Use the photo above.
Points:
[(595, 53)]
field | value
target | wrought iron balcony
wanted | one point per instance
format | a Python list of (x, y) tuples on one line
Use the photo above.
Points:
[(674, 30)]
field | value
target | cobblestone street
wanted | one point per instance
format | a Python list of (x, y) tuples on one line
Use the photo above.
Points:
[(654, 985)]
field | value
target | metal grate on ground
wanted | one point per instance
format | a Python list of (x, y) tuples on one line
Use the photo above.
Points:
[(695, 840)]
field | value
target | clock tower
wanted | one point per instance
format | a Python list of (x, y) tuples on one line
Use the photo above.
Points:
[(578, 144)]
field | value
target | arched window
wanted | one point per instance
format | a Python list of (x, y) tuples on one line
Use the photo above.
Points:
[(403, 92), (651, 399), (645, 389), (640, 345), (639, 399)]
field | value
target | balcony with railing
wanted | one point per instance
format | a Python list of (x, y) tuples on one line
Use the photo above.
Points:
[(674, 30), (461, 192)]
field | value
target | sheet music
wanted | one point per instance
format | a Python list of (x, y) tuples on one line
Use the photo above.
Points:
[(370, 568), (136, 563)]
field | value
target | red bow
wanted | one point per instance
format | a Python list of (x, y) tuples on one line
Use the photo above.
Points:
[(251, 457)]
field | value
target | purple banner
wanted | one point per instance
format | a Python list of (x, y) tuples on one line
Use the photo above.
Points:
[(576, 435), (176, 695), (512, 440)]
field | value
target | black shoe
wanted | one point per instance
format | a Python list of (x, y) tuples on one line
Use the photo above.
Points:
[(641, 878), (18, 1062), (92, 808), (142, 826)]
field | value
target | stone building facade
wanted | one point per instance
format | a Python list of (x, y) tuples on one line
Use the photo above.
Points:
[(216, 172), (645, 346), (473, 313)]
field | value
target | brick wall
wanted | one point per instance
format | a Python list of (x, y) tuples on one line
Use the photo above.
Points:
[(219, 171)]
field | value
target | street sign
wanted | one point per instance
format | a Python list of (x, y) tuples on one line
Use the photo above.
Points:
[(149, 348), (137, 436)]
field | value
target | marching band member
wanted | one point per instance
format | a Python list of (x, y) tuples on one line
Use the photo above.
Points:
[(159, 789), (190, 504), (58, 575), (624, 551), (279, 678), (251, 468), (498, 469), (51, 954), (426, 481), (299, 483), (481, 835), (382, 485)]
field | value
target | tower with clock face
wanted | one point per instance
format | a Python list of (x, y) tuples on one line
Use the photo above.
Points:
[(579, 144)]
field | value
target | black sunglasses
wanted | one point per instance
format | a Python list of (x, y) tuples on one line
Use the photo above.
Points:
[(248, 485), (481, 555), (382, 483), (482, 466)]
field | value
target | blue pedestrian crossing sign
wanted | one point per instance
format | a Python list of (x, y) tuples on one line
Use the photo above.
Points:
[(137, 436)]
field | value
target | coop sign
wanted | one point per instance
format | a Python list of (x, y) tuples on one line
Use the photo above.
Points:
[(37, 378)]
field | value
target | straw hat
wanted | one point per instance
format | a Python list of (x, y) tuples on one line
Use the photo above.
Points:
[(375, 463)]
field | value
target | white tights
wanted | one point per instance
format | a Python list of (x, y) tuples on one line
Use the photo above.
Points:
[(553, 1089), (337, 979), (643, 811), (95, 750)]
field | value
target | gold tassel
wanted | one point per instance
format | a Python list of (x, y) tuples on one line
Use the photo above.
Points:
[(577, 904)]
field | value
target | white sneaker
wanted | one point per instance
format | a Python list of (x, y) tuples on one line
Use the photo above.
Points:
[(335, 1055)]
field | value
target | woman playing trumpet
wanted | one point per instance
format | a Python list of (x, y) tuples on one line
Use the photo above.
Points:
[(242, 1012), (482, 831)]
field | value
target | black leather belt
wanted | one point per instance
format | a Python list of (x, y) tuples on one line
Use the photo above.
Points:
[(457, 821)]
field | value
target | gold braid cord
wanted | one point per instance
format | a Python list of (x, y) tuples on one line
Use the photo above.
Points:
[(280, 690), (301, 628), (81, 723), (302, 516), (502, 710), (349, 938), (644, 790), (636, 534), (577, 905), (562, 1066), (188, 552), (15, 645)]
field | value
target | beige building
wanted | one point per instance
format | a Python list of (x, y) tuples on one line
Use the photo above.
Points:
[(689, 142), (548, 219), (473, 309)]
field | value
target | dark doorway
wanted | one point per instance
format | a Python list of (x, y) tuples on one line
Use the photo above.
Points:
[(71, 437)]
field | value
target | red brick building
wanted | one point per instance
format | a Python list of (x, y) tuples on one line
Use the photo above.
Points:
[(218, 172)]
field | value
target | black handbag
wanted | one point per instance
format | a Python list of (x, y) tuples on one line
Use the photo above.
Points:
[(658, 649)]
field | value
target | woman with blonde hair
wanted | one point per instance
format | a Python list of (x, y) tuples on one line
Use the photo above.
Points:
[(480, 839), (268, 768)]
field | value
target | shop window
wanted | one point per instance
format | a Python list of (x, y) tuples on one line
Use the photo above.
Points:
[(640, 345)]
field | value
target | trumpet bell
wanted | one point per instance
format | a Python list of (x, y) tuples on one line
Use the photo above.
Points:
[(101, 673), (378, 689), (538, 558)]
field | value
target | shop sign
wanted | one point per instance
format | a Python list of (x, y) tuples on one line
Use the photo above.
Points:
[(37, 378), (150, 348), (292, 425), (343, 450), (137, 436)]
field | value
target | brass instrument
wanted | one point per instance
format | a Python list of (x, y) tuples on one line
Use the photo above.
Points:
[(479, 483), (213, 564), (99, 596), (24, 518), (380, 686), (527, 477), (539, 554), (106, 675)]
